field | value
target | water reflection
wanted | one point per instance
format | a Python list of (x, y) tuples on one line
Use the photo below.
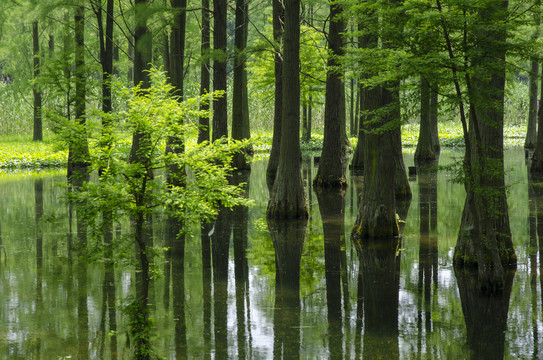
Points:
[(288, 238), (331, 206), (220, 243), (535, 233), (485, 314), (378, 289), (428, 252), (299, 291), (241, 269)]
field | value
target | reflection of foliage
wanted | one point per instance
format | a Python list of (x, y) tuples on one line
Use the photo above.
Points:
[(312, 264)]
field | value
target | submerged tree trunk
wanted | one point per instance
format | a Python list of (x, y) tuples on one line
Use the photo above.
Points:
[(331, 171), (287, 198), (220, 125), (485, 235), (377, 211), (278, 20)]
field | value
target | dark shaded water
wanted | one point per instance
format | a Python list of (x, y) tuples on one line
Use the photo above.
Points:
[(280, 290)]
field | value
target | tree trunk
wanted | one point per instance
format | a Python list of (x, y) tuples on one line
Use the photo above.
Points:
[(363, 100), (287, 198), (142, 59), (485, 235), (331, 172), (203, 132), (278, 20), (177, 45), (427, 150), (536, 164), (240, 109), (377, 211), (175, 144), (531, 131), (220, 117), (78, 153), (38, 128)]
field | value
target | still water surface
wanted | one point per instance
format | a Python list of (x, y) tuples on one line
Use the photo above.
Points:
[(253, 290)]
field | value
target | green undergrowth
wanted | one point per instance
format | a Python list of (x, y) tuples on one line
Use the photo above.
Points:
[(20, 152)]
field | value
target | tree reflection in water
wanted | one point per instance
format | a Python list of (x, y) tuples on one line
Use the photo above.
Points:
[(485, 314), (428, 251), (288, 238), (220, 243), (331, 206), (241, 269), (378, 289)]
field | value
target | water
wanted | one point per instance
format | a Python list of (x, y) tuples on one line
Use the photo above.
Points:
[(259, 291)]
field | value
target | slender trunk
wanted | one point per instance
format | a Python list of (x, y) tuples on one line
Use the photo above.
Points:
[(203, 132), (38, 128), (278, 20), (240, 111), (287, 198), (531, 131), (425, 151), (220, 125), (78, 153), (331, 172)]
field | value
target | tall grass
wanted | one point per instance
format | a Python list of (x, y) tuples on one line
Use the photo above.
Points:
[(16, 112)]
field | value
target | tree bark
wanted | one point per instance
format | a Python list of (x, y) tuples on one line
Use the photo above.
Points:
[(278, 21), (377, 211), (287, 198), (142, 60), (38, 127), (331, 171), (78, 153), (427, 150), (485, 235), (240, 108), (536, 163), (203, 133), (531, 131), (220, 117)]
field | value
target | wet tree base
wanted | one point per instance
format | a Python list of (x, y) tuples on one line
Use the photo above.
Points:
[(330, 183), (536, 165)]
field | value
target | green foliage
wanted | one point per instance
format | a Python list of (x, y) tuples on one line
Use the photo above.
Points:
[(313, 57), (139, 188), (18, 152)]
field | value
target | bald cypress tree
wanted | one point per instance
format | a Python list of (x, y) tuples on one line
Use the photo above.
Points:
[(287, 197)]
